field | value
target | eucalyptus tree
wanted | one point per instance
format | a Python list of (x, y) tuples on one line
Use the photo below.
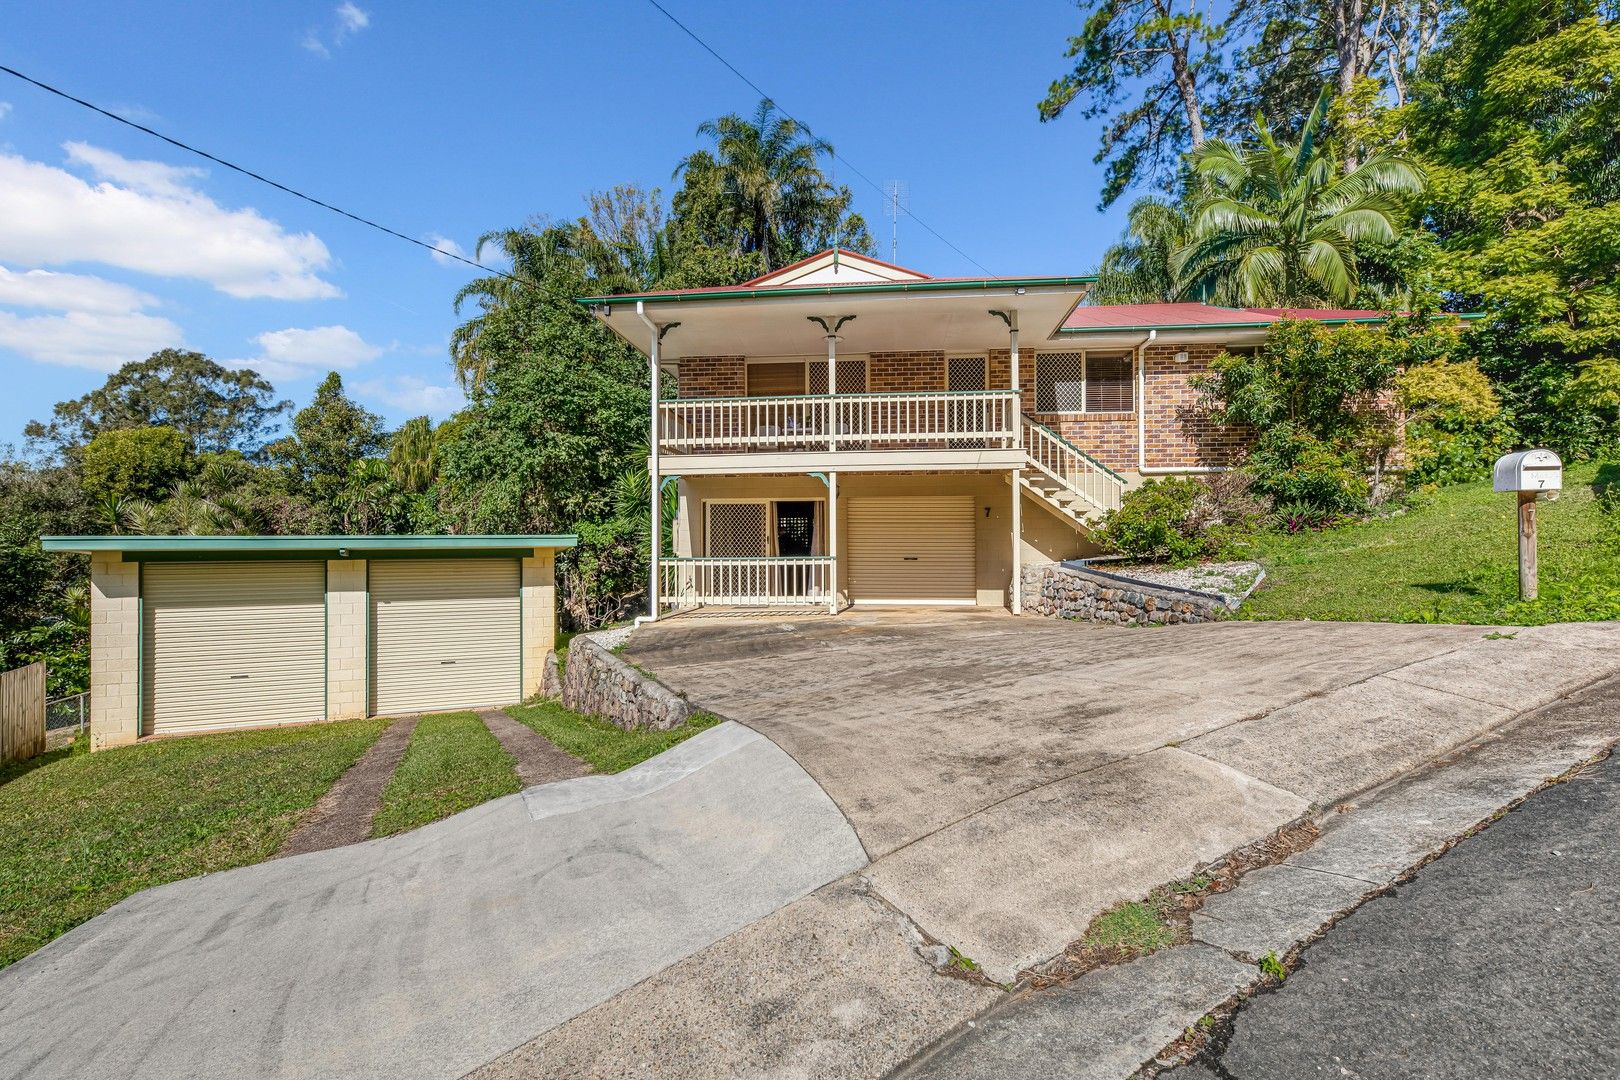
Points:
[(1276, 223)]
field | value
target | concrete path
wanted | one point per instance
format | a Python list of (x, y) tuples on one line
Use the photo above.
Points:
[(432, 952), (539, 761), (1496, 960), (344, 814)]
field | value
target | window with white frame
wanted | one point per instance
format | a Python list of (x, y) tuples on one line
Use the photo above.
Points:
[(1088, 382)]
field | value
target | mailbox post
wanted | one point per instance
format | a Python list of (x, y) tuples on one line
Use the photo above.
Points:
[(1529, 473)]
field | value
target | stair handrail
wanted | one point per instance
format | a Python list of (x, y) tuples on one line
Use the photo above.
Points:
[(1114, 484)]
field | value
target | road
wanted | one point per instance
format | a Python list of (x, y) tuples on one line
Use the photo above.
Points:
[(1496, 960)]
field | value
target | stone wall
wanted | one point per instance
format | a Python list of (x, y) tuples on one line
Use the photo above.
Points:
[(598, 683), (1066, 592)]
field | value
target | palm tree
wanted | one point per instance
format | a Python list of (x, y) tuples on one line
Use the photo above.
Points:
[(770, 167), (1278, 223), (1139, 269)]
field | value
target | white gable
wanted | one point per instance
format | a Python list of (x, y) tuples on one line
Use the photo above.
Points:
[(838, 268)]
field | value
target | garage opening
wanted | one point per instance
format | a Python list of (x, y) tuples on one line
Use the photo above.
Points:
[(446, 634), (232, 645), (914, 550)]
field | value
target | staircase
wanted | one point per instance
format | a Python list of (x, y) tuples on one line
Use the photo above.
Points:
[(1065, 479)]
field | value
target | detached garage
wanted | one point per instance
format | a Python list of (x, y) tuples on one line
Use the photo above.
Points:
[(212, 633)]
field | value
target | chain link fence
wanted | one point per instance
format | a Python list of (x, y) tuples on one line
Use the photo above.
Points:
[(71, 712)]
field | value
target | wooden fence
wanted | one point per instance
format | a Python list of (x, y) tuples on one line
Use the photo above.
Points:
[(22, 713)]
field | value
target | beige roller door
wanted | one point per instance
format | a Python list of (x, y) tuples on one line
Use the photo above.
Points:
[(912, 550), (232, 645), (445, 634)]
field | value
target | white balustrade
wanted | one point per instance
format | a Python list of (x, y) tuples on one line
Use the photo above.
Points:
[(954, 419), (770, 582), (1072, 467)]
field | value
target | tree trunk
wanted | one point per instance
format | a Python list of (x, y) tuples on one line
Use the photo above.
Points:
[(1181, 70)]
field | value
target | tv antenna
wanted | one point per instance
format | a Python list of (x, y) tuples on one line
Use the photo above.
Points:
[(896, 200)]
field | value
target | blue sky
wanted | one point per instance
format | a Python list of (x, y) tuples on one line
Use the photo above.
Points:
[(445, 121)]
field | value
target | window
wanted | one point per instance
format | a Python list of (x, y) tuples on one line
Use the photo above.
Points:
[(763, 528), (1060, 380), (738, 530), (1071, 382), (966, 373), (776, 379), (1108, 382)]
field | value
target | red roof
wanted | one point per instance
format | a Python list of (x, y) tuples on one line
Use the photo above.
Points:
[(1192, 315)]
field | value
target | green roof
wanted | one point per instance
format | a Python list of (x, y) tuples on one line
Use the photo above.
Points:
[(356, 545)]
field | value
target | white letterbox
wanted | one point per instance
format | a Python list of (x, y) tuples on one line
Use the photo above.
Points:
[(1529, 470)]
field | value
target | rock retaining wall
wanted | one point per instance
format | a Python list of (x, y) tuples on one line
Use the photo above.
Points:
[(598, 683), (1067, 592)]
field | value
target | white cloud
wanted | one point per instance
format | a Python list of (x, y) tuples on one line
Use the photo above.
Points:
[(91, 339), (70, 292), (444, 248), (103, 323), (413, 394), (294, 353), (147, 216), (148, 177), (348, 19), (5, 109)]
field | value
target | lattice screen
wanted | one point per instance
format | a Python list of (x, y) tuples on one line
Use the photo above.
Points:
[(851, 376), (1108, 382), (1060, 380), (738, 530), (965, 373)]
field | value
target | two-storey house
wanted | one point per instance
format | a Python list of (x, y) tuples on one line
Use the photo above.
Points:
[(847, 431)]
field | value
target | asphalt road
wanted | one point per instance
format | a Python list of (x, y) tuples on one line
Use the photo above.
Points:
[(1499, 959)]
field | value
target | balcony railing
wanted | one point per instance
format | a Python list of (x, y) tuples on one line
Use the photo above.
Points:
[(953, 419), (805, 581), (1072, 467)]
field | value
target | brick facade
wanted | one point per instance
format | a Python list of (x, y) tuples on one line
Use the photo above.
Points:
[(1180, 433)]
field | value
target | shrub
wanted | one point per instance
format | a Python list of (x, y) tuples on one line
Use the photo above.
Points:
[(1454, 426), (1182, 519)]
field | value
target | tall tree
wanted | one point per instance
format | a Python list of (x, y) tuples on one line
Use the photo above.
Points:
[(216, 408), (1163, 54), (775, 199), (1518, 118), (1278, 222), (329, 436)]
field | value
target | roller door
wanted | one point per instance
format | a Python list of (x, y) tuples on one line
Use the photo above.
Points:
[(232, 645), (912, 550), (446, 634)]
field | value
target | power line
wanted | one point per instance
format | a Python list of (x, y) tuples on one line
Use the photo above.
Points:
[(706, 47), (266, 180)]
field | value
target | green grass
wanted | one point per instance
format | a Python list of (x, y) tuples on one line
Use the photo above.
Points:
[(606, 748), (81, 831), (451, 763), (1451, 558), (1134, 927)]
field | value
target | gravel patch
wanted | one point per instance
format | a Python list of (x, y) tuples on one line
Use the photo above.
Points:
[(612, 638), (1231, 581)]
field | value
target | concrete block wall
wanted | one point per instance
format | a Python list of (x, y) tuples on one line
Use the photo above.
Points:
[(539, 587), (348, 634), (115, 660)]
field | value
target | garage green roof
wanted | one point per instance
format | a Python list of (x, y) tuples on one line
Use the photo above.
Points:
[(237, 545)]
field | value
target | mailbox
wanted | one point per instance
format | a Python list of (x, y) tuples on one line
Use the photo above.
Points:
[(1529, 470)]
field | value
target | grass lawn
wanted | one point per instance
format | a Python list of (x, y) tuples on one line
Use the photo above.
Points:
[(606, 748), (1452, 558), (451, 763), (81, 831)]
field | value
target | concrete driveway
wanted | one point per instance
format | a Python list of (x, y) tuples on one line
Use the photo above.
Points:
[(430, 953), (1013, 777)]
